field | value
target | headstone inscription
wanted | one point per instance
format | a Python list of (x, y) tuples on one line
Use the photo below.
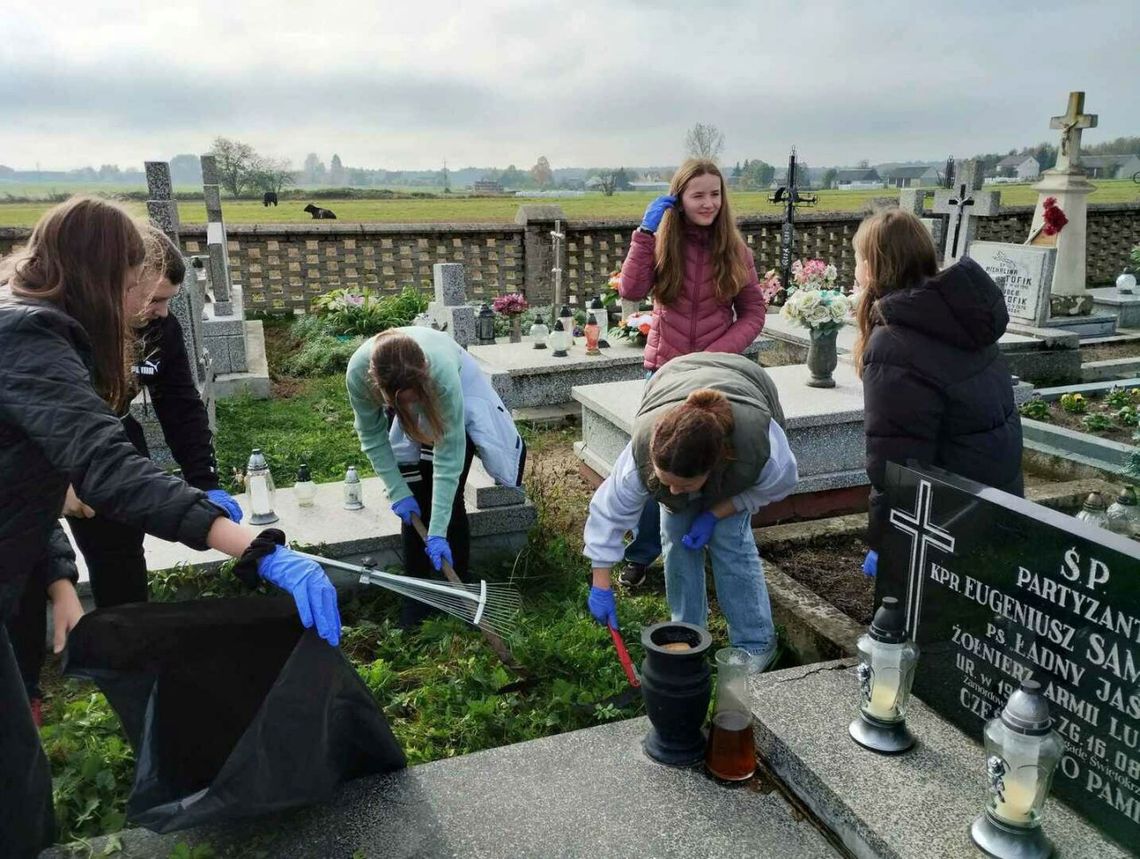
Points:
[(998, 590), (1025, 275)]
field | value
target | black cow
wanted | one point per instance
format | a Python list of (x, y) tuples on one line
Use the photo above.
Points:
[(270, 197), (320, 214)]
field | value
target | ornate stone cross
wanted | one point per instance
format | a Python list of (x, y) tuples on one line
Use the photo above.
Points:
[(1071, 124)]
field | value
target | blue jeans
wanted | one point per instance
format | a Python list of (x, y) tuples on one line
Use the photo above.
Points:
[(645, 548), (741, 589)]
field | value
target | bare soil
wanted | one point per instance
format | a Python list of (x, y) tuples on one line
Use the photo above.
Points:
[(834, 571), (1110, 352)]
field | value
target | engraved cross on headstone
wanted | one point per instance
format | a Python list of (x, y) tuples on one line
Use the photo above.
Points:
[(963, 203), (1071, 124), (924, 534)]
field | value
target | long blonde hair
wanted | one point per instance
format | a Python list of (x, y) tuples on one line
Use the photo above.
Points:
[(398, 364), (730, 272), (898, 253), (78, 258)]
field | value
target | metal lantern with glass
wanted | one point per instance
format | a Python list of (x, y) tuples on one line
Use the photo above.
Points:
[(602, 317), (304, 490), (566, 317), (887, 659), (538, 333), (730, 754), (559, 340), (1123, 514), (259, 485), (353, 492), (485, 326), (1093, 511), (1022, 753)]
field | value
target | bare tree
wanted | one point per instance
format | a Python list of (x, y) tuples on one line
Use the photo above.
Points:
[(271, 174), (236, 162), (704, 141)]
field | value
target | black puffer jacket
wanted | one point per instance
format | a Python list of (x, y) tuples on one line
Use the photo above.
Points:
[(936, 387), (55, 430)]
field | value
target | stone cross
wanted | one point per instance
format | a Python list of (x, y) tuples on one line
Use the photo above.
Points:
[(216, 244), (187, 303), (450, 311), (963, 203), (1071, 124)]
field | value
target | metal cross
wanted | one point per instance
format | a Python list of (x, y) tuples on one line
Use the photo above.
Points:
[(790, 195), (923, 534), (556, 237), (1071, 125), (962, 201)]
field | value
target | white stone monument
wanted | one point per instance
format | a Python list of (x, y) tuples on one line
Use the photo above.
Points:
[(964, 202), (1066, 183)]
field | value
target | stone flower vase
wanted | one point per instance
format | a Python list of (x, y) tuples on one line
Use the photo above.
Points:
[(822, 358), (676, 683), (516, 328)]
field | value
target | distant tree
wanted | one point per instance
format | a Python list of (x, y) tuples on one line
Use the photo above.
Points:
[(863, 164), (314, 170), (111, 173), (803, 175), (829, 176), (621, 180), (704, 141), (1117, 146), (756, 174), (513, 177), (272, 174), (541, 173), (235, 161), (186, 169), (337, 176), (736, 171), (446, 179)]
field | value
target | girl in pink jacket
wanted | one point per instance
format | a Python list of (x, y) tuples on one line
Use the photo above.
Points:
[(706, 296), (690, 255)]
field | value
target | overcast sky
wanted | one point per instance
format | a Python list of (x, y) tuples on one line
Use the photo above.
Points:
[(409, 83)]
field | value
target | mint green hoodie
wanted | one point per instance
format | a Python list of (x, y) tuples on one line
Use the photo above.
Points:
[(443, 359)]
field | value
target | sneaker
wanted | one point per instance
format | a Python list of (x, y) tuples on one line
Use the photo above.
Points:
[(37, 711), (761, 661), (633, 575)]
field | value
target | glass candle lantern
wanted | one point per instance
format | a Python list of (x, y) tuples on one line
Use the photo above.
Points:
[(485, 326), (1093, 511), (567, 320), (304, 490), (1123, 514), (730, 754), (887, 659), (259, 485), (538, 334), (353, 493), (1022, 753), (559, 340), (602, 317), (591, 334)]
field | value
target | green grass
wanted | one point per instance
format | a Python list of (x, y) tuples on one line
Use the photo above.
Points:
[(458, 209)]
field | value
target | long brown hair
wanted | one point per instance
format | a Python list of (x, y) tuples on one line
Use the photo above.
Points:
[(398, 364), (78, 258), (730, 272), (695, 437), (898, 252)]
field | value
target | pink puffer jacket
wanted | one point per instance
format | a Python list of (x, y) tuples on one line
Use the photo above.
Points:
[(696, 321)]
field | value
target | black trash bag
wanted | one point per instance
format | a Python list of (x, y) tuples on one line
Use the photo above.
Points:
[(233, 709)]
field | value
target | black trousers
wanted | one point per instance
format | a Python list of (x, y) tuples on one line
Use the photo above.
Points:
[(416, 562), (27, 819)]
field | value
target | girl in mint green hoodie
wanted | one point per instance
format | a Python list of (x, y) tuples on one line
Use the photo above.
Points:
[(423, 409)]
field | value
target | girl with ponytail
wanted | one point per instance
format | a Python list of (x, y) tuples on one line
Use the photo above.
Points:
[(708, 450), (423, 408)]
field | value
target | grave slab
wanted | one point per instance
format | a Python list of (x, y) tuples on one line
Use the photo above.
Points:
[(254, 381), (590, 793), (1125, 306), (527, 378), (496, 521), (918, 805), (824, 425)]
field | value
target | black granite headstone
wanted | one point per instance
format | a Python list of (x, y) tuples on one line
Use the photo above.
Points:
[(998, 589)]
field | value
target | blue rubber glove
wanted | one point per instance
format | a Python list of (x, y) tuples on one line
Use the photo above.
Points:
[(439, 551), (310, 587), (226, 501), (871, 564), (602, 606), (656, 211), (701, 531), (405, 508)]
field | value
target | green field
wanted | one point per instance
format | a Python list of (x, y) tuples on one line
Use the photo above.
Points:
[(486, 210)]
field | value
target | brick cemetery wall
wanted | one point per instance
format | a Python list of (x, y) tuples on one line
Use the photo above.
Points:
[(283, 267)]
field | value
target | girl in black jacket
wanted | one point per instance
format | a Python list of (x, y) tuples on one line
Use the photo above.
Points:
[(936, 387), (65, 302)]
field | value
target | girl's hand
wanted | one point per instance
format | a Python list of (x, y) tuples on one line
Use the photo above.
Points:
[(656, 211), (66, 611), (72, 506)]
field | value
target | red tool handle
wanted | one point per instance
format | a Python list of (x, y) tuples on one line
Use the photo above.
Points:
[(623, 656)]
